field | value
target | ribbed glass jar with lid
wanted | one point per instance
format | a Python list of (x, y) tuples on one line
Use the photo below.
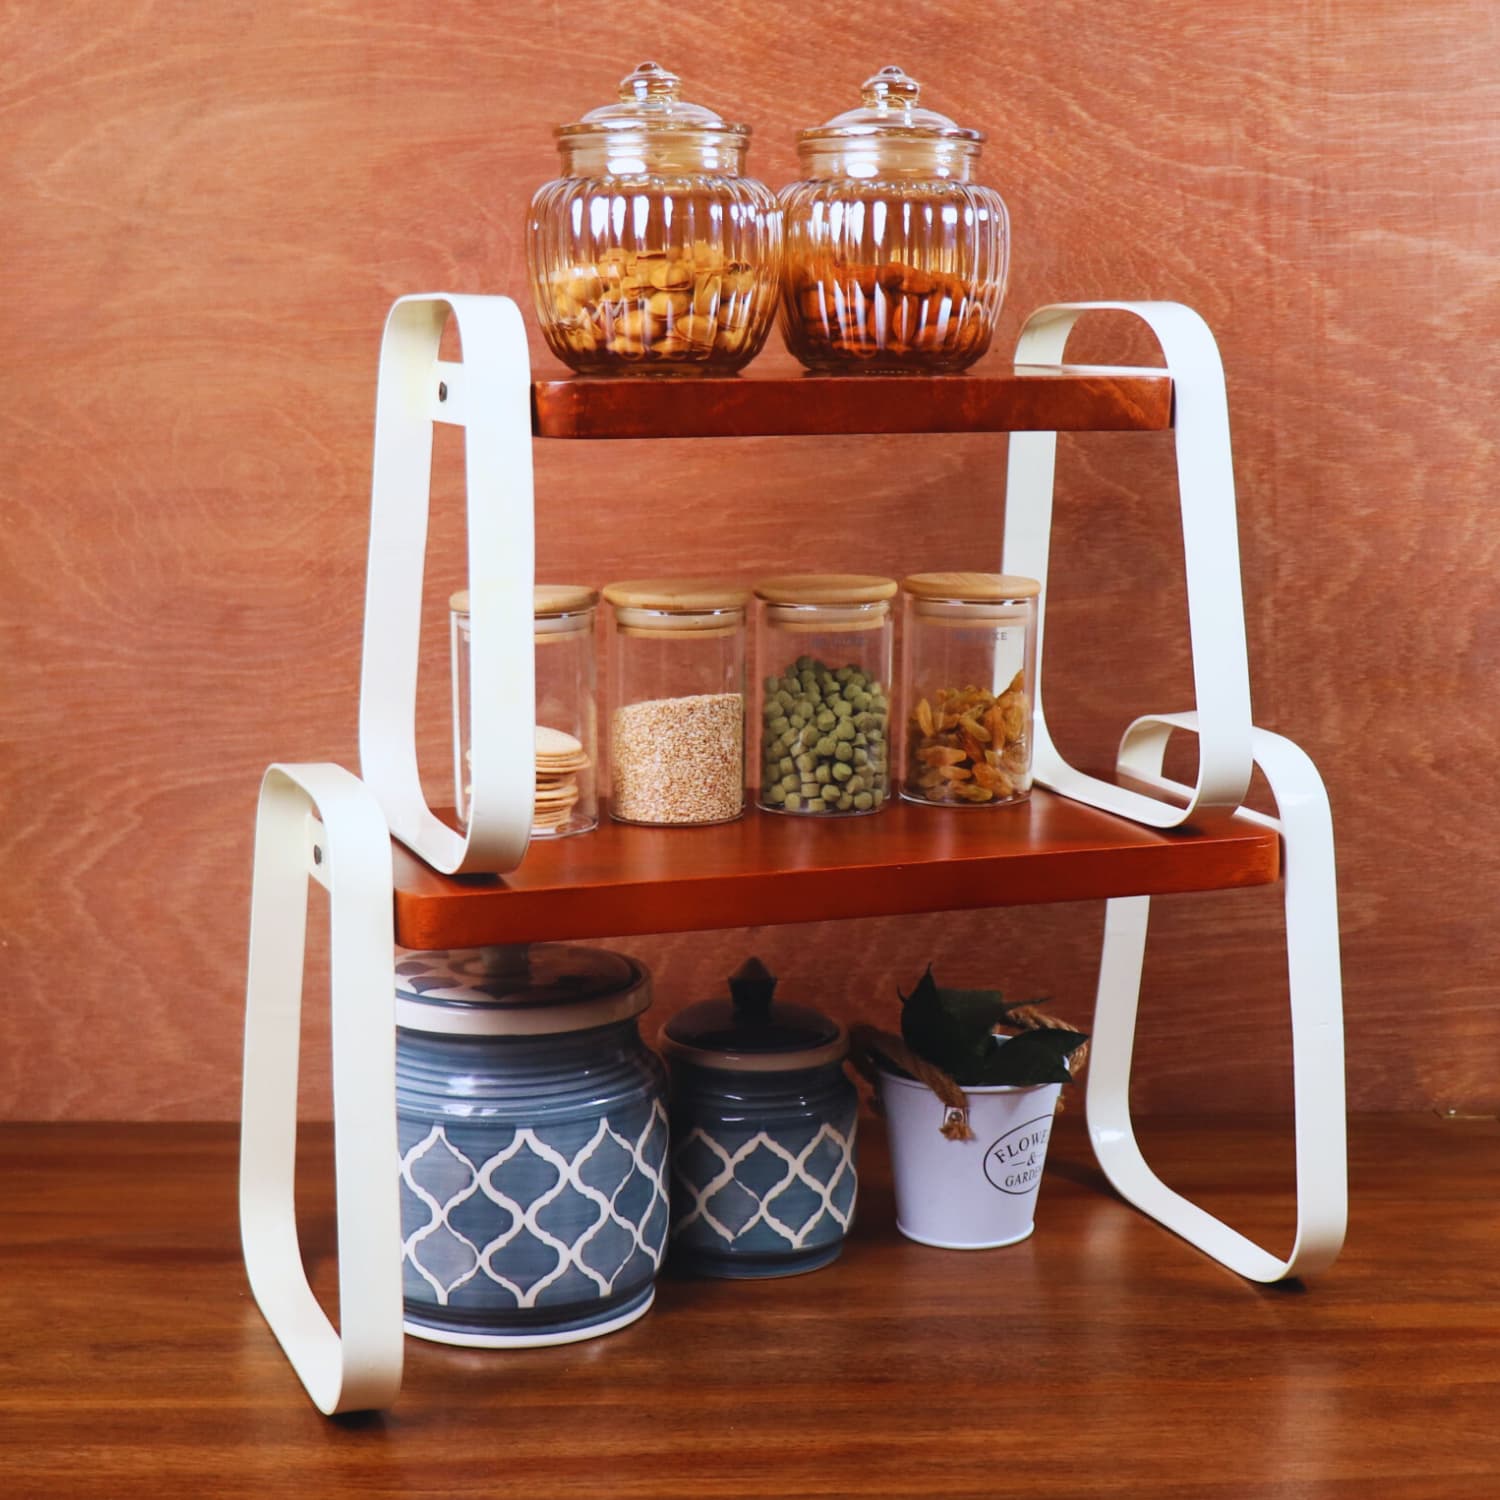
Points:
[(676, 700), (533, 1138), (968, 680), (654, 254), (896, 259), (823, 653), (566, 796)]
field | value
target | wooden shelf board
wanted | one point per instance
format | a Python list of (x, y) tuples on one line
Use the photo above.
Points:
[(771, 869), (1076, 399)]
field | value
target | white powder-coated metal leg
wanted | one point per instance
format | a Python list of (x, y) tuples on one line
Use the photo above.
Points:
[(1205, 477), (1313, 974), (321, 821), (489, 396)]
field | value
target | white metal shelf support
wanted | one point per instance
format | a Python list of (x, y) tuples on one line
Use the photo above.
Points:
[(488, 394), (319, 821), (1216, 621), (1315, 991)]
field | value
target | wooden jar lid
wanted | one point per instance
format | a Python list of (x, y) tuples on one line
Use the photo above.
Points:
[(825, 588), (684, 596), (562, 599), (546, 599), (985, 588)]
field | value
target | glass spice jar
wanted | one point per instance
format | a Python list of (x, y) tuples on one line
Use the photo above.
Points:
[(823, 652), (566, 797), (895, 259), (676, 701), (968, 676), (654, 254)]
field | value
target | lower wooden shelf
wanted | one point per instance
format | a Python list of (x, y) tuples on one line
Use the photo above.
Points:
[(769, 869)]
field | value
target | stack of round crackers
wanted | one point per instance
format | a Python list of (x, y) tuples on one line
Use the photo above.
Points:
[(559, 759)]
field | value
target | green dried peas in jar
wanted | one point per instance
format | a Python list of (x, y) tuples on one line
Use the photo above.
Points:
[(825, 722)]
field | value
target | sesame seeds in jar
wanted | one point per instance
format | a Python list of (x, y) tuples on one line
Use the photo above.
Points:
[(676, 701)]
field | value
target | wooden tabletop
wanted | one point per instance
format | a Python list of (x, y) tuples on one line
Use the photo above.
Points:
[(1100, 1357), (769, 868)]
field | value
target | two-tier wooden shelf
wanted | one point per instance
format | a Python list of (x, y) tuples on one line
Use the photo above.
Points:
[(1124, 837), (767, 869)]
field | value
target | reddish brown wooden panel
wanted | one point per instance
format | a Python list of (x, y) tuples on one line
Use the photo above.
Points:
[(820, 405), (767, 869), (208, 210)]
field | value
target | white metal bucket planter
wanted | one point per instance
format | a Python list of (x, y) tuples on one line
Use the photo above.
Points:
[(967, 1195)]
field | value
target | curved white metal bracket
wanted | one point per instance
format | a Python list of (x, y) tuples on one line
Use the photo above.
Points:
[(1205, 477), (1314, 981), (319, 820), (489, 396)]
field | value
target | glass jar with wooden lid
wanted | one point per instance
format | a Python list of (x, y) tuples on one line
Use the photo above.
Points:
[(676, 700), (822, 726), (968, 676), (895, 258), (566, 798), (654, 253)]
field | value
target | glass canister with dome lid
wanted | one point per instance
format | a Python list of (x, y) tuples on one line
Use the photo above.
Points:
[(654, 254), (895, 258)]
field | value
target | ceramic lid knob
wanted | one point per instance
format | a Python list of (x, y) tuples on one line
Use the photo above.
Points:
[(753, 1032)]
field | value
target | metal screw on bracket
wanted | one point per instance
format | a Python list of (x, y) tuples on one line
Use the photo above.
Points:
[(442, 390)]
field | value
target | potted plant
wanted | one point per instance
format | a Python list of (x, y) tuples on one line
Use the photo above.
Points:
[(968, 1091)]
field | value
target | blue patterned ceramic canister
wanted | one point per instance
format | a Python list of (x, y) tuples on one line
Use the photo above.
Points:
[(763, 1126), (533, 1142)]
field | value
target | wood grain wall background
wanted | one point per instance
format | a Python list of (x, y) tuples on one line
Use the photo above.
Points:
[(209, 207)]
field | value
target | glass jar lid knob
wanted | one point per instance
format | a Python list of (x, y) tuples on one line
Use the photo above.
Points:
[(891, 86), (889, 108), (650, 98), (650, 84)]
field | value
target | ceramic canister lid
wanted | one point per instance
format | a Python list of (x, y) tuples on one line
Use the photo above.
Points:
[(537, 989), (753, 1032)]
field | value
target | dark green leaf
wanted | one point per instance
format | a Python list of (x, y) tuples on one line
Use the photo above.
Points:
[(950, 1028), (954, 1030), (1030, 1058)]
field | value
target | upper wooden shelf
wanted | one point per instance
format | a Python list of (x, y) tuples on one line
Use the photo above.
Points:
[(771, 869), (1074, 399)]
